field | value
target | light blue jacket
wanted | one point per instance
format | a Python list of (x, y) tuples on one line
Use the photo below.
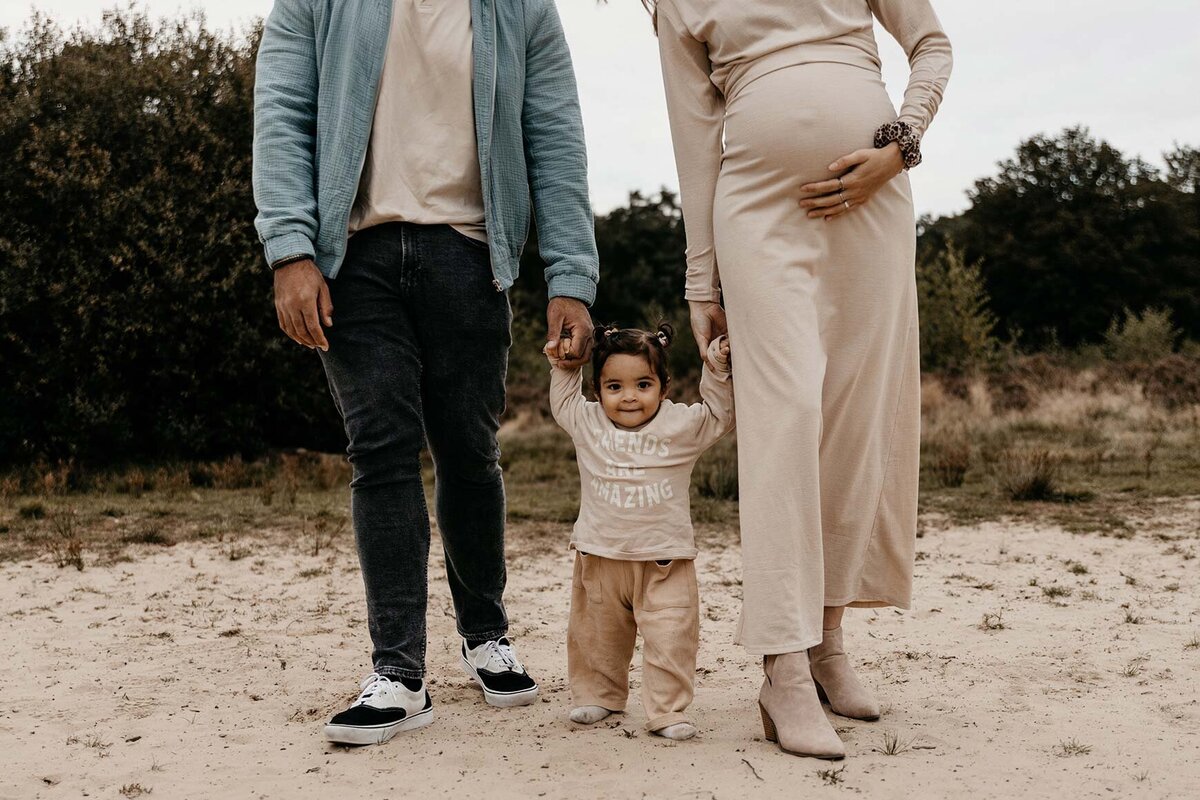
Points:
[(318, 72)]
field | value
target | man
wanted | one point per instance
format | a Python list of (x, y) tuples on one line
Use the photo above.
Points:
[(397, 146)]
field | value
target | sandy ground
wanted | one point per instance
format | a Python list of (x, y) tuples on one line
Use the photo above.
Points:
[(188, 674)]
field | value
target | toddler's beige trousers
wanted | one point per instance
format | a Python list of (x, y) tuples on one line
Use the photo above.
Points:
[(610, 602), (824, 344)]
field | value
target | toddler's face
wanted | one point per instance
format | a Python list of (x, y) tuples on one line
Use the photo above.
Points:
[(630, 391)]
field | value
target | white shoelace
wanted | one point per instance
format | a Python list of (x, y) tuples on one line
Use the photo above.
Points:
[(502, 653), (373, 685)]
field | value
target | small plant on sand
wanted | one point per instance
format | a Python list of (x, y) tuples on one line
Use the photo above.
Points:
[(66, 548), (151, 534), (237, 552), (1029, 475), (893, 745), (134, 790), (326, 526), (1193, 643), (831, 776), (94, 741), (992, 622), (1055, 590), (1131, 618), (1076, 568), (1070, 747), (1135, 667)]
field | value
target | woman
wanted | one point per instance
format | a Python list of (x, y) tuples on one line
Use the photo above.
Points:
[(797, 209)]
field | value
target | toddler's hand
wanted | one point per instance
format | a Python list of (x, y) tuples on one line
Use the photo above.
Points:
[(718, 352)]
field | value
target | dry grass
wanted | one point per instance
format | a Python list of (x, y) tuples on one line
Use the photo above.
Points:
[(1070, 747), (1029, 474), (992, 622), (1080, 449)]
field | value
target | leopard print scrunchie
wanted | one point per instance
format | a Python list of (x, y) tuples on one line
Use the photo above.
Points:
[(902, 134)]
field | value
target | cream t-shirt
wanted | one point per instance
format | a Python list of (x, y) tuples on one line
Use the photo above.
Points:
[(634, 499), (422, 162)]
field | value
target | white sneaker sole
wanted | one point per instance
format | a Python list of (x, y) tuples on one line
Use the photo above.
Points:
[(354, 734), (499, 699)]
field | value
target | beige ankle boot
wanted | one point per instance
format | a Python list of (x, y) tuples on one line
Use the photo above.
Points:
[(836, 681), (791, 712)]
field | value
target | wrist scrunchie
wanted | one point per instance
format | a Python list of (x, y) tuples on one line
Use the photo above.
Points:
[(902, 134)]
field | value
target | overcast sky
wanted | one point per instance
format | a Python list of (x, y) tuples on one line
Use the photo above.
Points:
[(1021, 67)]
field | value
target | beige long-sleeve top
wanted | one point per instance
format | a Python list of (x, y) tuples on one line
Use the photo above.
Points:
[(711, 47), (634, 502), (422, 163)]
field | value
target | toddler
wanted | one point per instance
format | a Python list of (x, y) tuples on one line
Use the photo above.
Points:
[(635, 550)]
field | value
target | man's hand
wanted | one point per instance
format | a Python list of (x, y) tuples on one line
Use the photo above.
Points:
[(568, 332), (302, 303), (708, 322)]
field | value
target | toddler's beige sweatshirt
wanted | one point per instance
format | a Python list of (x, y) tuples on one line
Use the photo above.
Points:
[(634, 503)]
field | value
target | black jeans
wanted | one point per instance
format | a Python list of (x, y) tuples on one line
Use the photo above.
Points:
[(418, 353)]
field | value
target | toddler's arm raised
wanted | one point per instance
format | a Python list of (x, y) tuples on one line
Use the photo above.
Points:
[(566, 395), (716, 417)]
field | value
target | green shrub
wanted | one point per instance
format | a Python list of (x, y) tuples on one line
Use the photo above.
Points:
[(1141, 338), (956, 325)]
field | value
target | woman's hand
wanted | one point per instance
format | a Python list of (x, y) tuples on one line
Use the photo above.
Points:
[(708, 322), (867, 170)]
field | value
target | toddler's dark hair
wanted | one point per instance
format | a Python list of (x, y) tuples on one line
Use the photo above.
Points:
[(652, 345)]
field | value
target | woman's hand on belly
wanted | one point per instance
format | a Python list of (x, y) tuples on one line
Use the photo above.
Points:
[(860, 175)]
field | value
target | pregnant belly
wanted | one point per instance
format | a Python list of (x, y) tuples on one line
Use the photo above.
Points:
[(792, 123)]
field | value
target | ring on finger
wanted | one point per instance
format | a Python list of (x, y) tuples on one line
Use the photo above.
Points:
[(846, 203), (841, 186)]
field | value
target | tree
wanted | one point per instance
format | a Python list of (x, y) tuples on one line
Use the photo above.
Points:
[(1070, 232), (135, 308)]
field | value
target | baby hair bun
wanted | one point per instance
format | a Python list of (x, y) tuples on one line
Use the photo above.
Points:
[(601, 333), (666, 334)]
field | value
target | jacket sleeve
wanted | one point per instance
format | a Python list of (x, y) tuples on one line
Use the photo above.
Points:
[(916, 27), (696, 111), (556, 159), (285, 123)]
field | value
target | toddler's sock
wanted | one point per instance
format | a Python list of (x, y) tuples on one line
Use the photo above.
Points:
[(588, 715), (677, 732)]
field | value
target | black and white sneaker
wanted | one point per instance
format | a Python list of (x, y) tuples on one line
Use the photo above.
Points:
[(385, 707), (495, 667)]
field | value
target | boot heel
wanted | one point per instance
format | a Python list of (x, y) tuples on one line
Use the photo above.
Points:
[(768, 725), (824, 698)]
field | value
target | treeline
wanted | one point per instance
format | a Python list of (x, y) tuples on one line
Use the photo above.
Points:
[(136, 318)]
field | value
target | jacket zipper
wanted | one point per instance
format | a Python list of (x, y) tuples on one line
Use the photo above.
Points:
[(491, 128)]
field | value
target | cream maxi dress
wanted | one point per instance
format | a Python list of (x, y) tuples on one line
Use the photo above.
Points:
[(762, 96)]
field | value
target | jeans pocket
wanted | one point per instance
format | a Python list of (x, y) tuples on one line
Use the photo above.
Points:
[(670, 584), (589, 576)]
